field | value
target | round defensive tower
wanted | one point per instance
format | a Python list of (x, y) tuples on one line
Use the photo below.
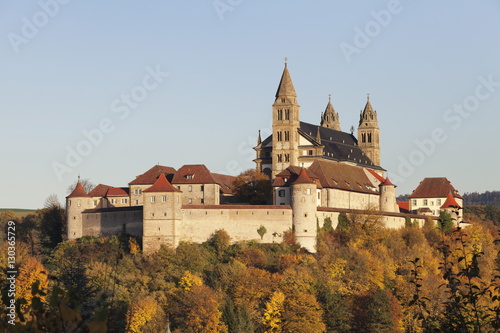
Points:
[(388, 197), (76, 203), (304, 206)]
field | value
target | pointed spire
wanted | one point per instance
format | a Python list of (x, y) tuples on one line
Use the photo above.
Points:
[(79, 191), (303, 178), (387, 182), (162, 185), (285, 88), (259, 140), (318, 135), (450, 202), (368, 106), (330, 118)]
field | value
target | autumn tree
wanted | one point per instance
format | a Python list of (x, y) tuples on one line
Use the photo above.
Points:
[(197, 311), (376, 311), (141, 310), (273, 314), (302, 314), (253, 186), (220, 241), (31, 283)]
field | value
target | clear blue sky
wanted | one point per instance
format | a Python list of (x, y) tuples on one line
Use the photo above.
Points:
[(428, 65)]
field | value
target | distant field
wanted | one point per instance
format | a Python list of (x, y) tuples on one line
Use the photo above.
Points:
[(19, 212)]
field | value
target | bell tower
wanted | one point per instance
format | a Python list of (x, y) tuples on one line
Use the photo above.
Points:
[(330, 118), (286, 122), (369, 133)]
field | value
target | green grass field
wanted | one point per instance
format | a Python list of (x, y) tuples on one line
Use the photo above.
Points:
[(19, 212)]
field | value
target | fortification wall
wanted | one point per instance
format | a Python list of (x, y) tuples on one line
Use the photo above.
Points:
[(109, 221), (239, 221), (390, 220), (349, 200)]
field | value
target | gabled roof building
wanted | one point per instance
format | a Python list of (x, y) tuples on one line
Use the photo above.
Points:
[(433, 195), (317, 171)]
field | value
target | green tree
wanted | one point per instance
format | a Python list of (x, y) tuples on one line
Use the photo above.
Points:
[(327, 224), (52, 222), (261, 231), (343, 222), (445, 222)]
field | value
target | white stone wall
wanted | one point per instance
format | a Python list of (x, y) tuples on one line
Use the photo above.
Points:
[(198, 224), (336, 198), (434, 204)]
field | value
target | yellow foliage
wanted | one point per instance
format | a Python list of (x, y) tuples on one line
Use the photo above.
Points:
[(274, 312), (140, 311), (189, 280), (31, 272)]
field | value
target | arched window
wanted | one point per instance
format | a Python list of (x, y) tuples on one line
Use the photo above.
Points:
[(287, 114), (280, 114)]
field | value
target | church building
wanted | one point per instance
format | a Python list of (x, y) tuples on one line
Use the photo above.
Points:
[(297, 143), (317, 171)]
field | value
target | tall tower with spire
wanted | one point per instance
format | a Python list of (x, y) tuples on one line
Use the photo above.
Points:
[(286, 122), (330, 118), (369, 133)]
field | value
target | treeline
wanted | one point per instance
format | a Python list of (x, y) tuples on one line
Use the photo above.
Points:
[(482, 199), (363, 278)]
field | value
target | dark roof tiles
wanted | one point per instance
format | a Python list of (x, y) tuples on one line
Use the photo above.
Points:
[(150, 176), (434, 187)]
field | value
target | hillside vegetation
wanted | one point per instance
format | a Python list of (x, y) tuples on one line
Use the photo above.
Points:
[(364, 278)]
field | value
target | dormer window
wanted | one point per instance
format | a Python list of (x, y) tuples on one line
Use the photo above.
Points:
[(189, 177)]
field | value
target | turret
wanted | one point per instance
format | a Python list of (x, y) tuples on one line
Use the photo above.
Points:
[(286, 122), (452, 207), (388, 197), (76, 203), (330, 118), (304, 204), (161, 214), (369, 133)]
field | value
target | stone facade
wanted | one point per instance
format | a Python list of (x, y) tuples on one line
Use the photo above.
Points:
[(317, 172)]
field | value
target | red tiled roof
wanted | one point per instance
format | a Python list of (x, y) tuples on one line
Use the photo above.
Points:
[(225, 182), (342, 176), (437, 187), (199, 174), (376, 175), (450, 202), (100, 190), (78, 192), (150, 176), (291, 174), (193, 174), (387, 181), (404, 206), (117, 192), (162, 185), (303, 178)]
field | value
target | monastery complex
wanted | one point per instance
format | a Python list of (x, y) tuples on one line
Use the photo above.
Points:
[(317, 172)]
